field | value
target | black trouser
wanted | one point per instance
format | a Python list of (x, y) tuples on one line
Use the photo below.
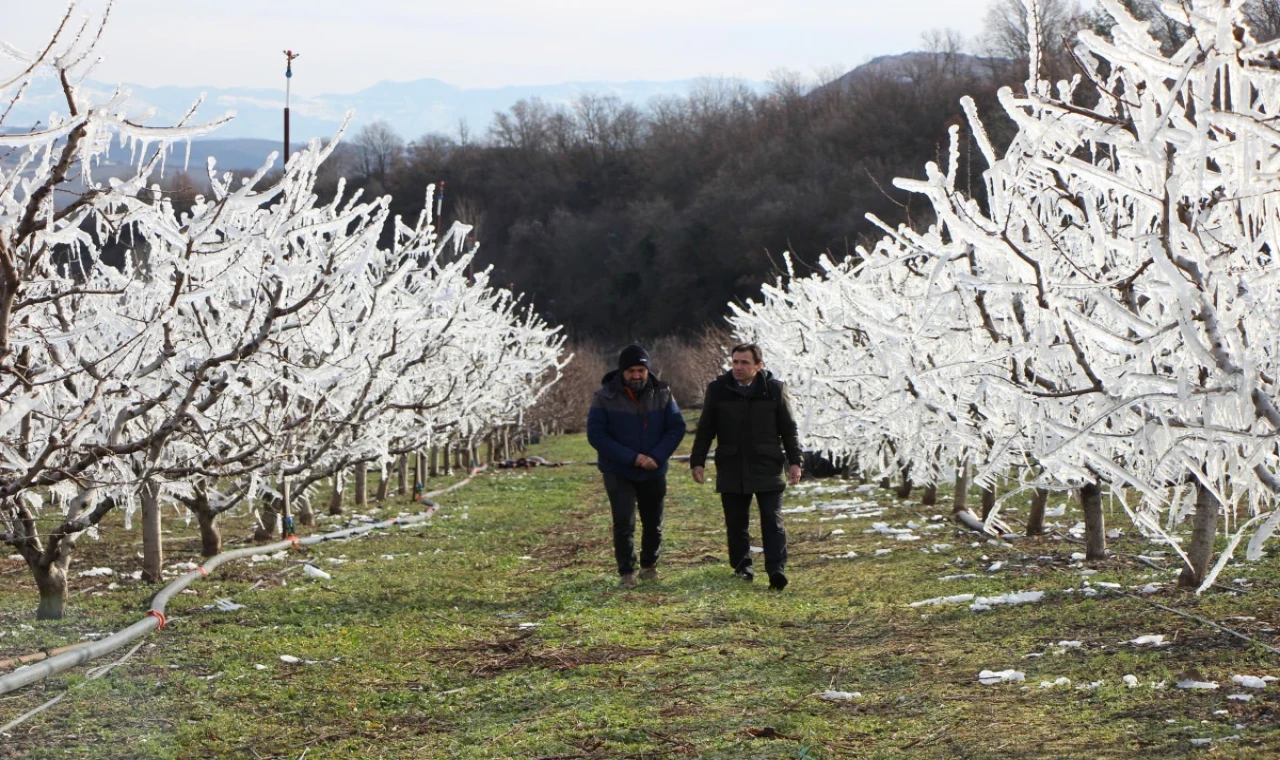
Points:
[(624, 497), (737, 516)]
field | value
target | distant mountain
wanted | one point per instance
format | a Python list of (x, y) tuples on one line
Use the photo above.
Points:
[(920, 64), (411, 108)]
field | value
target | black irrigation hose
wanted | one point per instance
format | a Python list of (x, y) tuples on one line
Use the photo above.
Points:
[(155, 617)]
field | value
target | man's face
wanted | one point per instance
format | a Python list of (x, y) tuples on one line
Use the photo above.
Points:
[(635, 377), (745, 367)]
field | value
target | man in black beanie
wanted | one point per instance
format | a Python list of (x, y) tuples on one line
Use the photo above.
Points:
[(635, 426)]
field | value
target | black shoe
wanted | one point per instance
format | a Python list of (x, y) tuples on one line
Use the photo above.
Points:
[(746, 574), (777, 581)]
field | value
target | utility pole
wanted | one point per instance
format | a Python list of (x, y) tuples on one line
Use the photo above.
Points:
[(289, 57)]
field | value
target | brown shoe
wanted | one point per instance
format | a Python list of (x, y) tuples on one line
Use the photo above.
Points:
[(648, 573), (627, 580)]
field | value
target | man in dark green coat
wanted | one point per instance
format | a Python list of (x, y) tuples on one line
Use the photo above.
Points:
[(748, 412)]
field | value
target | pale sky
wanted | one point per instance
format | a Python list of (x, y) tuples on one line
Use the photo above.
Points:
[(348, 45)]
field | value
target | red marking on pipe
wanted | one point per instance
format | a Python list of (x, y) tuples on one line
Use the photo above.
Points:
[(158, 615)]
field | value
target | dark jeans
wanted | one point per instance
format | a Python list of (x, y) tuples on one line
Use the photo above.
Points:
[(737, 516), (625, 496)]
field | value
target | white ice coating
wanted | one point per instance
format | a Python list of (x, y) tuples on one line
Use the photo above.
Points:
[(1108, 311), (260, 335)]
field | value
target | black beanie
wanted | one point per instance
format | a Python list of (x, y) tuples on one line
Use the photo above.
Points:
[(633, 356)]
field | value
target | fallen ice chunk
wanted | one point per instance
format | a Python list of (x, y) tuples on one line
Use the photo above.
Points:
[(1115, 533), (259, 667), (995, 567), (941, 547), (1091, 686), (848, 555), (944, 600), (316, 572), (839, 696), (1057, 511), (1153, 639), (1130, 681), (837, 532), (1193, 684), (226, 605), (290, 659), (1250, 682), (1105, 584), (883, 551), (1150, 588), (1063, 681), (958, 577), (990, 677), (1070, 644), (906, 537), (1240, 697), (1078, 556), (97, 572), (1019, 597)]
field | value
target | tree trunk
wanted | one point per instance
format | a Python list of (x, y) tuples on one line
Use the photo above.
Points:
[(930, 495), (362, 485), (960, 501), (335, 497), (402, 474), (506, 442), (286, 509), (384, 484), (268, 520), (152, 543), (306, 515), (446, 454), (1035, 520), (488, 448), (210, 537), (433, 463), (988, 501), (904, 490), (886, 483), (52, 583), (1201, 550), (1095, 529)]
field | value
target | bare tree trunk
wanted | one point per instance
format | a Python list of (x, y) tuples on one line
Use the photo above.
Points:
[(152, 543), (1035, 520), (1205, 527), (886, 483), (506, 442), (268, 520), (210, 536), (489, 447), (930, 495), (335, 497), (384, 483), (306, 515), (904, 490), (960, 502), (402, 474), (446, 454), (286, 508), (1095, 529), (52, 583), (362, 485), (434, 463), (988, 501)]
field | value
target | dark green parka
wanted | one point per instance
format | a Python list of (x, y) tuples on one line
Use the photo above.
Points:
[(753, 427)]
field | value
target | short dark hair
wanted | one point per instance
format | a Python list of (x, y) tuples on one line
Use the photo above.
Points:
[(742, 348)]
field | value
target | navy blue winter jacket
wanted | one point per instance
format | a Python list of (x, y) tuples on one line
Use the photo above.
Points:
[(622, 424)]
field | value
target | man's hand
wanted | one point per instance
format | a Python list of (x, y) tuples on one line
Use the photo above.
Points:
[(646, 462), (793, 475), (699, 474)]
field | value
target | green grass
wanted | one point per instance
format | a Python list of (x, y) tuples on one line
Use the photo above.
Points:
[(422, 655)]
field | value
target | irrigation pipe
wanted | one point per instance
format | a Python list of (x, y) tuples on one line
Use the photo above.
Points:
[(155, 618)]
